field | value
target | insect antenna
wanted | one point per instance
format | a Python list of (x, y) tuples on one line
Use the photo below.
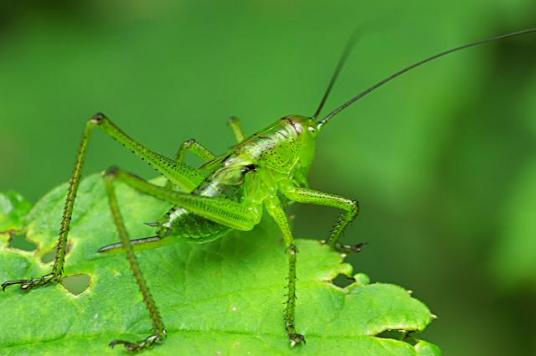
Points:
[(342, 60), (404, 70)]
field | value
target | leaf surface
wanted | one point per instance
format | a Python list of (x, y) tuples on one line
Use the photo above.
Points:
[(224, 297)]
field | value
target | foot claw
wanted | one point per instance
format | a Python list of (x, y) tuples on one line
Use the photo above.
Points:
[(130, 346), (28, 284), (140, 345), (296, 339)]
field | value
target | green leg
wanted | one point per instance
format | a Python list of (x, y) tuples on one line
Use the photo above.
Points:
[(196, 148), (273, 206), (351, 208), (144, 242), (158, 325), (223, 211), (234, 123), (180, 174), (236, 215), (155, 241)]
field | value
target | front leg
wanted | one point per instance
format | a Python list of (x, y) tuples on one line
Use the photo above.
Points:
[(350, 207), (273, 206)]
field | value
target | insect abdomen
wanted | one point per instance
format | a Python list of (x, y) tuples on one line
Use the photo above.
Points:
[(194, 228)]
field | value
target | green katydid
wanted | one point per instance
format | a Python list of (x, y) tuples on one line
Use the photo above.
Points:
[(226, 192)]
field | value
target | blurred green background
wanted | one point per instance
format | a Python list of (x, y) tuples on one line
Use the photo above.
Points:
[(443, 161)]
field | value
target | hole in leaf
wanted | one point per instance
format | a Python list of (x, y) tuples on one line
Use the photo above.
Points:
[(19, 241), (342, 280), (403, 335), (50, 255), (77, 283)]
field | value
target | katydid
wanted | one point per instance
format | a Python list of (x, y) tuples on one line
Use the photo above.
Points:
[(227, 192)]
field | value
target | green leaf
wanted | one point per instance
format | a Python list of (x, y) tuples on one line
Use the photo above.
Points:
[(13, 208), (224, 297)]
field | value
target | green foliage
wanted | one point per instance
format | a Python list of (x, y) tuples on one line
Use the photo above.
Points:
[(514, 259), (436, 159), (515, 254), (13, 208), (222, 297)]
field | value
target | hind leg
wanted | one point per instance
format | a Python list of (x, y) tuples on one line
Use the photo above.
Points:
[(159, 331), (141, 243), (236, 215), (187, 178)]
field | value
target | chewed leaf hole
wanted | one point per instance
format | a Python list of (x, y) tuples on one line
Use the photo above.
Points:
[(403, 335), (77, 283), (19, 241), (342, 280), (50, 255)]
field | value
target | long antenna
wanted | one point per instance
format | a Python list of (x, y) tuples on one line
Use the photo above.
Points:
[(364, 93), (344, 56)]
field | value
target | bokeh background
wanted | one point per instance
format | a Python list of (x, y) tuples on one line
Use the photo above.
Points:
[(443, 160)]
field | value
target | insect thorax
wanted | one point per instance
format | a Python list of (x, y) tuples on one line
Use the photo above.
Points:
[(285, 146), (250, 170)]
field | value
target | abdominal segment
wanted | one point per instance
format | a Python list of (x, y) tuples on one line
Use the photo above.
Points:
[(184, 224)]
